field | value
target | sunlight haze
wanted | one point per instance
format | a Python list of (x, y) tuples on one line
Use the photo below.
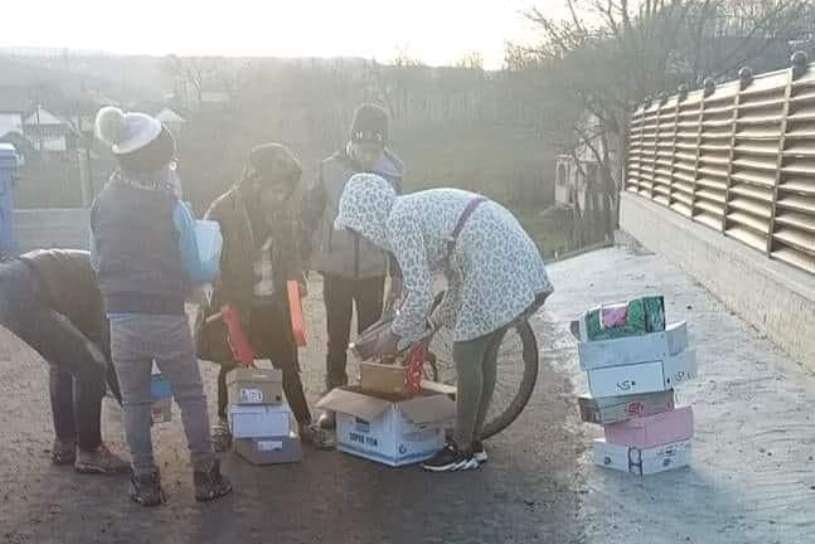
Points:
[(437, 32)]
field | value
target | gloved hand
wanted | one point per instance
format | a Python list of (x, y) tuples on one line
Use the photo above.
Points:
[(387, 344)]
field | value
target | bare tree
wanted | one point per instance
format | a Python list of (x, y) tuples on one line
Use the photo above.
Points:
[(608, 55)]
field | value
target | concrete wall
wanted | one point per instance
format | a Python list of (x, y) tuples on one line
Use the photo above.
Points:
[(775, 298), (47, 228)]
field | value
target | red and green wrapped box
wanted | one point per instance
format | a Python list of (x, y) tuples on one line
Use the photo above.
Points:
[(636, 317)]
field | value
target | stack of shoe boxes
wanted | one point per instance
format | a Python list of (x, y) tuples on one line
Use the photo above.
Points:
[(260, 420), (634, 362)]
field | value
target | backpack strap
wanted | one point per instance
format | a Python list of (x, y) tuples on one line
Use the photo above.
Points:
[(462, 221)]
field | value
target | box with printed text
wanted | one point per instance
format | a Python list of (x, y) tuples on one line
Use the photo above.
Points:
[(644, 377), (641, 461), (390, 430), (255, 386)]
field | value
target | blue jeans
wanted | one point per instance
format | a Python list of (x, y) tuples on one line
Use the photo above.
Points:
[(136, 341)]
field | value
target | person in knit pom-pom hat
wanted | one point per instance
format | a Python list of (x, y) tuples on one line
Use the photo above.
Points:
[(353, 269), (146, 259)]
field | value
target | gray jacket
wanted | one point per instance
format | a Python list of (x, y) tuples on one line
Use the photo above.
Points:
[(342, 253)]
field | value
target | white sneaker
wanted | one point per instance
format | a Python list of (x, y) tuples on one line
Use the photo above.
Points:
[(479, 453)]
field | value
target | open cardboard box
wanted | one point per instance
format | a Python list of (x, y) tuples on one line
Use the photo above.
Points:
[(383, 379), (387, 429)]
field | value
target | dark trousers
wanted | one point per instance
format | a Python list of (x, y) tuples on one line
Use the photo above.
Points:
[(272, 339), (340, 296), (78, 367), (71, 405)]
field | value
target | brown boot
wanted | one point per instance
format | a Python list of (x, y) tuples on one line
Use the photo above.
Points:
[(63, 453), (100, 461)]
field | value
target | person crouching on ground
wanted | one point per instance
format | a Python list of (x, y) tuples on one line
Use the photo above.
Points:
[(146, 259), (49, 299), (260, 255), (494, 272)]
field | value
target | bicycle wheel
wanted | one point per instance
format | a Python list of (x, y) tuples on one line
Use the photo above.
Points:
[(517, 372)]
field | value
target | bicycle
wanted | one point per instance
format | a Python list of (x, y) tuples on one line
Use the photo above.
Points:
[(516, 375)]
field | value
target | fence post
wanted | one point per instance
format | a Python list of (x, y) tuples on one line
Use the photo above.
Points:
[(794, 70), (745, 78), (709, 89), (656, 149), (682, 93)]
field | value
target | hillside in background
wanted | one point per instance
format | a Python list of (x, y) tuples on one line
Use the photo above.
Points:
[(457, 126)]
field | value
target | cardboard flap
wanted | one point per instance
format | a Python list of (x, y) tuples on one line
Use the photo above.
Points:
[(356, 404), (429, 409), (677, 337)]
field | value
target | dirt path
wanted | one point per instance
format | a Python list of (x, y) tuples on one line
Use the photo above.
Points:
[(529, 492)]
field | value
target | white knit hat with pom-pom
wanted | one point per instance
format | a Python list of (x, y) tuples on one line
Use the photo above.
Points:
[(125, 132)]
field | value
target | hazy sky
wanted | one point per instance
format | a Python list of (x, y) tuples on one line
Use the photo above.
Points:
[(437, 31)]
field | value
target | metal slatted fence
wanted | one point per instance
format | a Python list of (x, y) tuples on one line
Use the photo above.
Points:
[(738, 157)]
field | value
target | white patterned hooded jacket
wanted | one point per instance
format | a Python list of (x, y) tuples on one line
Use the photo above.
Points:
[(495, 272)]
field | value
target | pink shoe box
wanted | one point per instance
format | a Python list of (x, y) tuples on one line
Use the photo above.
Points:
[(652, 431)]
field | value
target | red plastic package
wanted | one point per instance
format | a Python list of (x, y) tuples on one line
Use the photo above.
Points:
[(298, 321), (242, 349), (415, 364)]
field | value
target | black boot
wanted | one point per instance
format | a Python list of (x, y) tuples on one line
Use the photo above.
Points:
[(145, 489), (211, 484)]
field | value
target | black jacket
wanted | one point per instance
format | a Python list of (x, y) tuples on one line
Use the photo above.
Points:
[(69, 287), (66, 283)]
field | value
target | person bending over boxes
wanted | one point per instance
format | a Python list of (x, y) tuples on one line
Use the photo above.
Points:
[(49, 299), (494, 272)]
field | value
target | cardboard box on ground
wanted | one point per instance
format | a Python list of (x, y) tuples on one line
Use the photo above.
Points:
[(261, 423), (607, 410), (259, 420), (391, 430), (633, 362), (270, 450), (641, 461), (632, 318), (647, 377), (651, 431), (632, 350)]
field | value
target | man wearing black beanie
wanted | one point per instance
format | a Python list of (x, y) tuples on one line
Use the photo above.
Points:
[(353, 270)]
